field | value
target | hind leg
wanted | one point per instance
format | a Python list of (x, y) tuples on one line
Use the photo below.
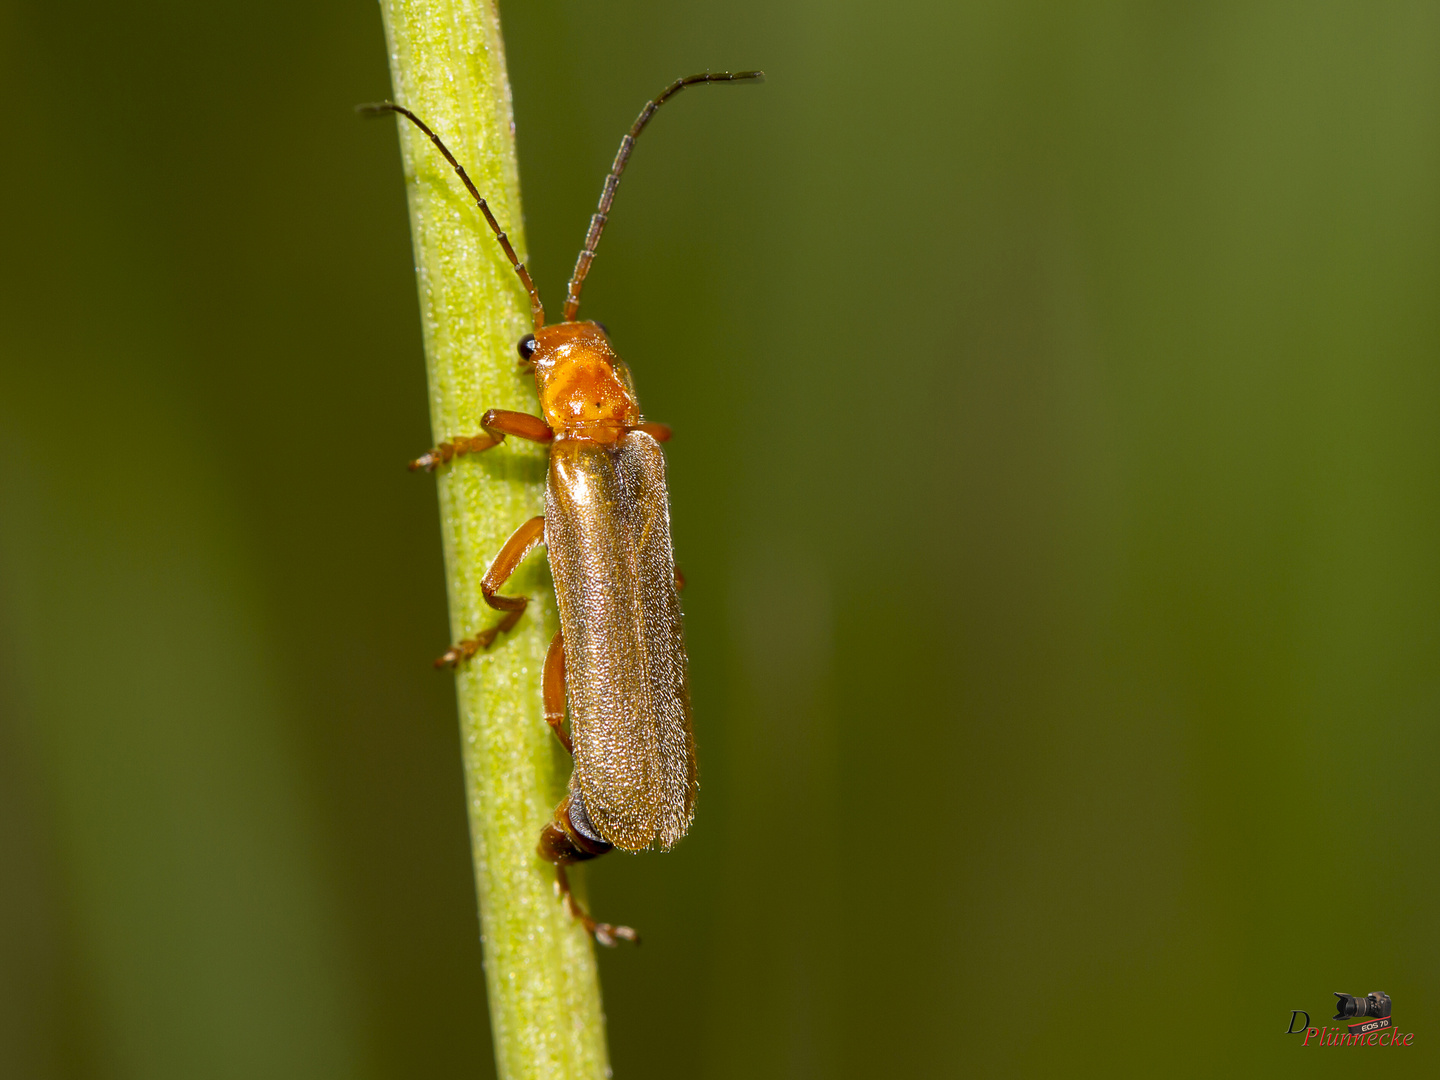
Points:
[(554, 691), (570, 837)]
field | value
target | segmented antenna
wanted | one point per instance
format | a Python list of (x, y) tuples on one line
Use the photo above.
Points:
[(537, 309), (607, 192)]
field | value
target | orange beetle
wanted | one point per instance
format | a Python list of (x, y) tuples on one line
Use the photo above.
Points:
[(620, 653)]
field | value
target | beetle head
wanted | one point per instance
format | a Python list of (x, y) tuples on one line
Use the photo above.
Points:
[(585, 389)]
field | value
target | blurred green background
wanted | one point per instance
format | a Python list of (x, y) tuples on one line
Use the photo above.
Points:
[(1057, 476)]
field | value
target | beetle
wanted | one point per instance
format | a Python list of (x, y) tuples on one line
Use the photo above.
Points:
[(619, 656)]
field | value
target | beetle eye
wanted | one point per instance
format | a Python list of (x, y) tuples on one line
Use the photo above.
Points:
[(526, 347), (603, 328)]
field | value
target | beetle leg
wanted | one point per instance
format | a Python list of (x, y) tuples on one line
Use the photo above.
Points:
[(554, 691), (570, 837), (524, 540), (497, 424), (607, 934), (658, 432), (679, 580)]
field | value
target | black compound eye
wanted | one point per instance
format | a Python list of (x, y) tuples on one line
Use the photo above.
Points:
[(526, 347), (603, 328)]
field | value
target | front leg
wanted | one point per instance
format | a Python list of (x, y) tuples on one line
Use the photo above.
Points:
[(497, 424), (524, 540)]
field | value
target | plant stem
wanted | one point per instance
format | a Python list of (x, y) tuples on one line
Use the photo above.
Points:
[(448, 65)]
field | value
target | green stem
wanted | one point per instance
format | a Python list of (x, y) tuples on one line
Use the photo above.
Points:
[(448, 66)]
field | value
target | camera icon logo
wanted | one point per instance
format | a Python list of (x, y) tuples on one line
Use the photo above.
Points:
[(1372, 1025), (1372, 1004)]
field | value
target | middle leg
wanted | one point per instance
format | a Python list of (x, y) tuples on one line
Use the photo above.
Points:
[(524, 540)]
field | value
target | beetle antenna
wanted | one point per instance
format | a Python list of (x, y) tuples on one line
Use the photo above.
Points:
[(607, 192), (537, 309)]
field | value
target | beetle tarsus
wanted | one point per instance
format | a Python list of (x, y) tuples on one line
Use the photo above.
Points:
[(449, 450), (458, 654), (607, 934)]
